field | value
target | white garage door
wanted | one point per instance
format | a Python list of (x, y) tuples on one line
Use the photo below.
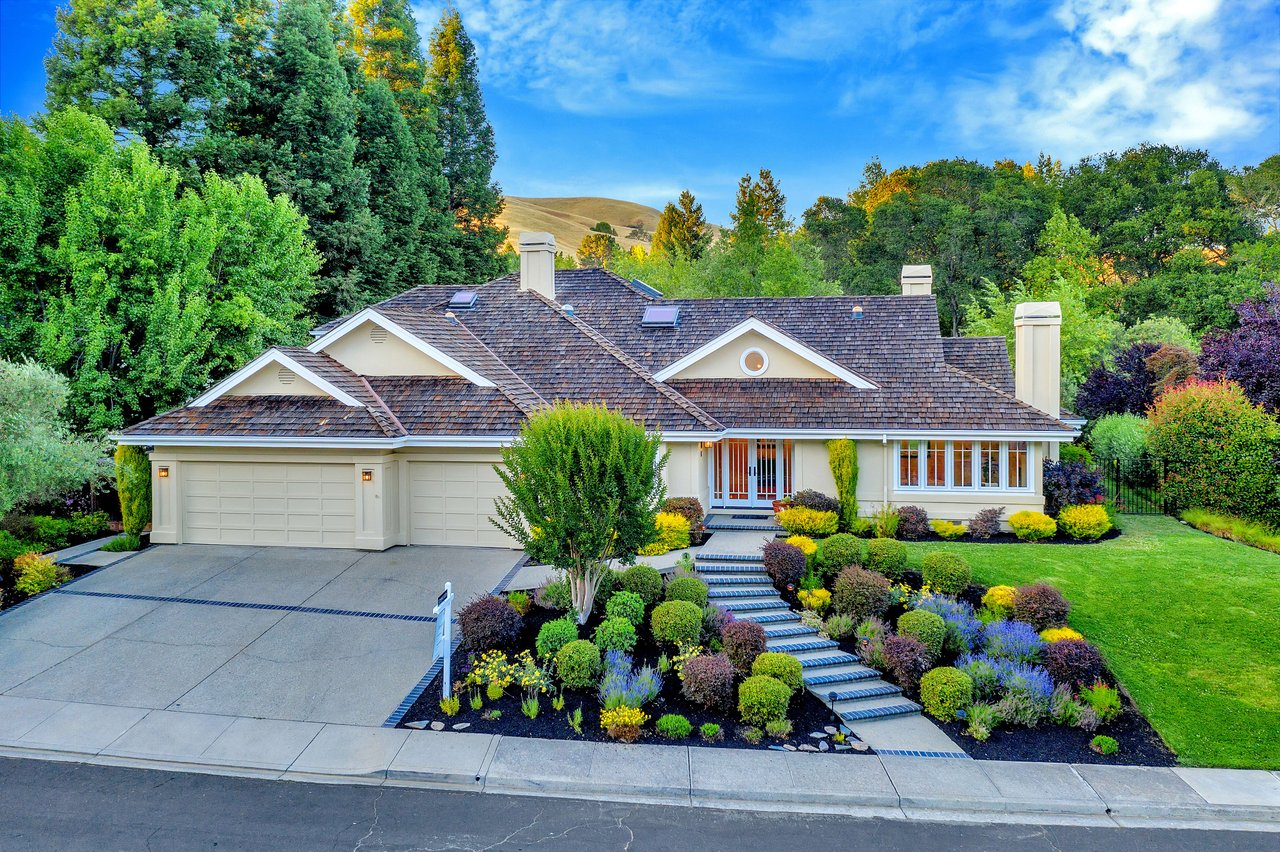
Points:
[(305, 505), (451, 502)]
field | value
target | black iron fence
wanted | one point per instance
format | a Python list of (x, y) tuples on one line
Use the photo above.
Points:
[(1133, 485)]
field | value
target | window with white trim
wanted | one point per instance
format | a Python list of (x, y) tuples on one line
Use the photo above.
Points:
[(964, 465)]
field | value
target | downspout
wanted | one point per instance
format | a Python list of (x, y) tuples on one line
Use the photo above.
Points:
[(884, 479)]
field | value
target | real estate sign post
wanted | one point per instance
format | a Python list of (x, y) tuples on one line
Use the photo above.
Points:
[(444, 636)]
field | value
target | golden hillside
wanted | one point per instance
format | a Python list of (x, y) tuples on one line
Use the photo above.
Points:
[(569, 219)]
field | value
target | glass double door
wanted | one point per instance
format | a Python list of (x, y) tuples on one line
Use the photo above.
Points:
[(751, 472)]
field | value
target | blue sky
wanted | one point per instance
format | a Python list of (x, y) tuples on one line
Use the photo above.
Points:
[(637, 100)]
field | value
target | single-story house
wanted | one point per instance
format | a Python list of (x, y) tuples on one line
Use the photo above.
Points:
[(385, 429)]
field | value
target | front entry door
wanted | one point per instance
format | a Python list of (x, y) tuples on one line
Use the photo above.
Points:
[(749, 472)]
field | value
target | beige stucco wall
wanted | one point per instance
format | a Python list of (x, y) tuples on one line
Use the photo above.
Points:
[(391, 357), (686, 472), (266, 382), (726, 362)]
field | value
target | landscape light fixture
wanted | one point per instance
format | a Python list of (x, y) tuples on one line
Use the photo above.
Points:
[(162, 472), (366, 475)]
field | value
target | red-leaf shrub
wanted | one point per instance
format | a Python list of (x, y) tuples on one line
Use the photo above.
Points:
[(743, 641), (913, 523), (815, 500), (986, 523), (1249, 355), (1069, 484), (489, 622), (859, 593), (1073, 661), (1216, 450), (907, 659), (1126, 389), (784, 563), (708, 680), (689, 508), (1040, 605)]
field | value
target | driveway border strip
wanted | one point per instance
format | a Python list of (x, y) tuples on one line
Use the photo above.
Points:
[(309, 610)]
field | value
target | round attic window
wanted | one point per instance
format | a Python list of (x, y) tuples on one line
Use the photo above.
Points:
[(754, 362)]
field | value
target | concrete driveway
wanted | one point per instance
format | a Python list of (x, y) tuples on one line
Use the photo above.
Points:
[(301, 634)]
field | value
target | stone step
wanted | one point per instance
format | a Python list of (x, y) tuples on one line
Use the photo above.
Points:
[(712, 568), (754, 591), (824, 661), (796, 629), (891, 707), (795, 648), (827, 680), (757, 558), (851, 695), (746, 606), (781, 615), (745, 526), (754, 579)]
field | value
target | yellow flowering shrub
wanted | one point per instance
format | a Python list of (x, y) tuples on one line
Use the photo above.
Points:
[(801, 520), (1058, 634), (494, 669), (1087, 522), (1032, 526), (623, 723), (36, 573), (815, 599), (948, 530), (807, 545), (999, 599), (673, 534)]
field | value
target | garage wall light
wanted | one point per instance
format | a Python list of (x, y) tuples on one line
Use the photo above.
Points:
[(162, 472), (366, 476)]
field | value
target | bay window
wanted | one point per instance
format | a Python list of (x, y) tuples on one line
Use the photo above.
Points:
[(964, 465)]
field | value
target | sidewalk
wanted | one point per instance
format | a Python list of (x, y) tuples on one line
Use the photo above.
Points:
[(892, 787)]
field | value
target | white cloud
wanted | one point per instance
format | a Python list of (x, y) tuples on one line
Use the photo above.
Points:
[(1121, 71)]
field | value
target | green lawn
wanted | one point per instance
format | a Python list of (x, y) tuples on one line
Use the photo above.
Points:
[(1190, 624)]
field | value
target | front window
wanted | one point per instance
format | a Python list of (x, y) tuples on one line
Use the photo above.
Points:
[(989, 463), (964, 465), (936, 464), (909, 465), (1018, 464)]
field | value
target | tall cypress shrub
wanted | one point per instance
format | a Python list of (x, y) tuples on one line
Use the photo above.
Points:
[(133, 482), (843, 456)]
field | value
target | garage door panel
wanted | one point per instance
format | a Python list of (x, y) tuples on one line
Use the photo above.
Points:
[(306, 504), (451, 502)]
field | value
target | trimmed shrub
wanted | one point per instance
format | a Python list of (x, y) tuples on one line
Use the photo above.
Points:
[(838, 626), (1059, 634), (887, 556), (784, 667), (743, 641), (815, 500), (1120, 439), (1087, 523), (842, 456), (133, 483), (907, 659), (578, 664), (947, 530), (926, 626), (784, 563), (626, 605), (913, 523), (981, 670), (964, 630), (1040, 605), (1073, 661), (489, 622), (1075, 453), (689, 508), (554, 635), (673, 534), (607, 587), (838, 552), (800, 520), (871, 633), (763, 699), (1069, 483), (707, 680), (676, 621), (1032, 526), (615, 634), (859, 593), (689, 589), (643, 580), (1012, 640), (673, 726), (1104, 744), (986, 523), (35, 573), (943, 691), (948, 573), (714, 620), (807, 545), (999, 599)]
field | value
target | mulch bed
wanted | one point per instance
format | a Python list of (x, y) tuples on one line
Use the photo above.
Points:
[(1010, 538)]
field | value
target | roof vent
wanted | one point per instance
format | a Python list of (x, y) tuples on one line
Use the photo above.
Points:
[(285, 376), (451, 317), (378, 334), (463, 300), (661, 316), (857, 312), (645, 288), (568, 309)]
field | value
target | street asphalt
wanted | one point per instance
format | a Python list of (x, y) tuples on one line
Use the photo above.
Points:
[(71, 806)]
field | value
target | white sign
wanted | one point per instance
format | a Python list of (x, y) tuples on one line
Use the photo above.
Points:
[(444, 636)]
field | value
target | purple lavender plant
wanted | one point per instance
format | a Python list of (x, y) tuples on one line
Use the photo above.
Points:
[(1027, 682), (963, 628), (1013, 640), (622, 687)]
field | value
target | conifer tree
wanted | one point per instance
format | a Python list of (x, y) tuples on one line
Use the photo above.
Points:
[(682, 229), (466, 138)]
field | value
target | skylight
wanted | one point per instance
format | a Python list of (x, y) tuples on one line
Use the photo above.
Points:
[(661, 316), (463, 300)]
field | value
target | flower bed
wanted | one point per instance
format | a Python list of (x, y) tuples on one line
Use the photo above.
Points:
[(22, 535)]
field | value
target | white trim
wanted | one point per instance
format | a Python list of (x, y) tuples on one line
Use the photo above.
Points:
[(370, 315), (873, 435), (764, 361), (312, 443), (272, 356), (788, 342)]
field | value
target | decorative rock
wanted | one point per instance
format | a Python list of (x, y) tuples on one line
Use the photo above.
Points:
[(418, 725), (818, 735), (789, 747), (822, 746), (844, 729), (437, 726), (778, 748), (807, 747), (843, 747), (859, 746), (831, 729), (462, 726)]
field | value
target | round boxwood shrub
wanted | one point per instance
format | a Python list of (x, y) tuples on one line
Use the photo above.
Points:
[(689, 589), (906, 658), (784, 563), (676, 621), (926, 626), (913, 522), (783, 667), (578, 664), (673, 726), (743, 641), (948, 573), (763, 699), (1032, 526), (1040, 605), (838, 552), (859, 593), (554, 635), (643, 580), (488, 622), (707, 680), (887, 556), (626, 605), (944, 691), (1073, 661), (615, 634), (1088, 522), (999, 599), (608, 586)]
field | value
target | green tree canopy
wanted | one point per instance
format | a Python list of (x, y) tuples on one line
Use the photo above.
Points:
[(597, 249), (682, 230)]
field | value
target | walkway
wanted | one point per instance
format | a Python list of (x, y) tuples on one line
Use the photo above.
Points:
[(733, 566)]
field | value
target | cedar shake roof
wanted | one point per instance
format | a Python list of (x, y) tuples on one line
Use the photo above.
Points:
[(536, 352)]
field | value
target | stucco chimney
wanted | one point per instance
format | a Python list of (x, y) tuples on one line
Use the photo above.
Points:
[(1037, 330), (538, 263), (917, 280)]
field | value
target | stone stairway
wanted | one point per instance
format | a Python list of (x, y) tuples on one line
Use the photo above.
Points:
[(737, 581), (744, 521)]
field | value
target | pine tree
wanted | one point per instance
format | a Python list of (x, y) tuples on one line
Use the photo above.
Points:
[(466, 138), (772, 204), (682, 230)]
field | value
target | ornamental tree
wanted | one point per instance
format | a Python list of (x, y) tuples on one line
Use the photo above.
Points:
[(584, 486), (1249, 355), (1125, 388)]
